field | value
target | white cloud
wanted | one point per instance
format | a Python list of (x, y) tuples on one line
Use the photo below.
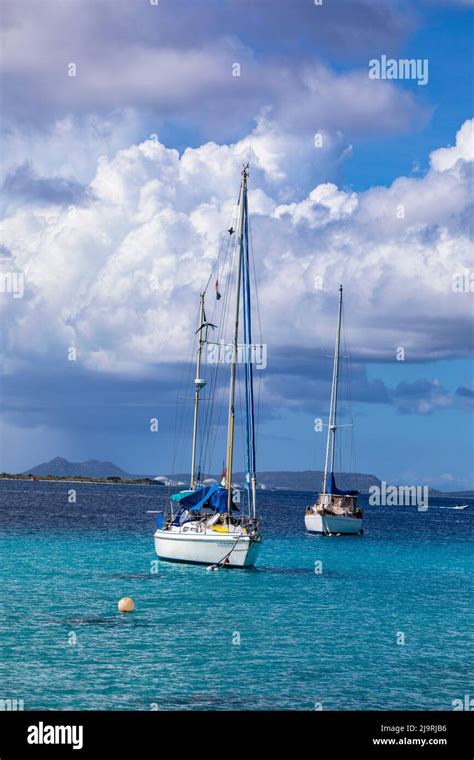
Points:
[(120, 276), (446, 158), (70, 146)]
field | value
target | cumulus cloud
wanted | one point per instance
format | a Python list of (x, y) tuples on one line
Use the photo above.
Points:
[(71, 146), (119, 278), (446, 158)]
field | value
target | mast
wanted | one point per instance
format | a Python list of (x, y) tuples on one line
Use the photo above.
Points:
[(331, 440), (251, 477), (235, 342), (199, 384)]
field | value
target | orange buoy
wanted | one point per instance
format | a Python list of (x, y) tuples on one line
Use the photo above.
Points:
[(126, 604)]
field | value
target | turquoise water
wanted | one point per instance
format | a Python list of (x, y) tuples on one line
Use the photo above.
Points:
[(305, 638)]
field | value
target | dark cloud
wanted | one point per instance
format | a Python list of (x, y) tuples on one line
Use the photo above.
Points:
[(23, 184), (465, 397), (5, 253), (346, 27), (420, 397), (173, 61), (465, 392), (80, 401)]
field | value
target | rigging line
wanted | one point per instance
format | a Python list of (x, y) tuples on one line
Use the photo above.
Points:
[(225, 327), (252, 257), (246, 325), (225, 258), (346, 392), (249, 379), (231, 221), (221, 333), (222, 320), (212, 385), (210, 416), (346, 381), (257, 303), (221, 247), (183, 419), (179, 409), (350, 401), (178, 420), (242, 434), (222, 336), (213, 370)]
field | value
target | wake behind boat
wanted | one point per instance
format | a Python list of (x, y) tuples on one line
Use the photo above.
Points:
[(335, 511), (204, 524)]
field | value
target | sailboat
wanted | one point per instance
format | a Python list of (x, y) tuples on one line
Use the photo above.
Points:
[(335, 511), (204, 525)]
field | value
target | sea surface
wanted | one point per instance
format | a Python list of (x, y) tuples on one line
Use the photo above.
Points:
[(386, 625)]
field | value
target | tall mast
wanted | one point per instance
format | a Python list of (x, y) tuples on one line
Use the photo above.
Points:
[(331, 441), (235, 343), (251, 477), (199, 384)]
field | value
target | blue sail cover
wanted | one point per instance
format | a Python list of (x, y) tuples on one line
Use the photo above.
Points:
[(214, 497), (333, 489)]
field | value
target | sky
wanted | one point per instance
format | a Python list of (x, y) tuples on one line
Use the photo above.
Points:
[(125, 126)]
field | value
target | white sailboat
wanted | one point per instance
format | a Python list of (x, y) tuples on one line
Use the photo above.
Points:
[(335, 511), (204, 524)]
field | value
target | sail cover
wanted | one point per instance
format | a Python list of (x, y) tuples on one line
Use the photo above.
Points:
[(333, 489), (214, 497)]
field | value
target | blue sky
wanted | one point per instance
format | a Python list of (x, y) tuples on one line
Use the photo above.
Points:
[(124, 174), (444, 37)]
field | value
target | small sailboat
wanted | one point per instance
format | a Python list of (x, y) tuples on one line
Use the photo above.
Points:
[(204, 525), (335, 511)]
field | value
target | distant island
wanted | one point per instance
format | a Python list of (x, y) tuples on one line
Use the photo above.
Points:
[(95, 471), (91, 468)]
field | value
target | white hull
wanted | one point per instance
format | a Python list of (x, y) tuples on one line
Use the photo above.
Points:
[(350, 526), (206, 548)]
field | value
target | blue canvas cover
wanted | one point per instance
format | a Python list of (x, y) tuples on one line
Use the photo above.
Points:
[(333, 489), (218, 500), (214, 497)]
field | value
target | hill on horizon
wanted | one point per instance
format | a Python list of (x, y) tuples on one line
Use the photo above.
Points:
[(91, 468), (291, 480), (305, 480)]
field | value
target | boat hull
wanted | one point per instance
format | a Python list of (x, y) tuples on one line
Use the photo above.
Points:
[(207, 549), (326, 524)]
